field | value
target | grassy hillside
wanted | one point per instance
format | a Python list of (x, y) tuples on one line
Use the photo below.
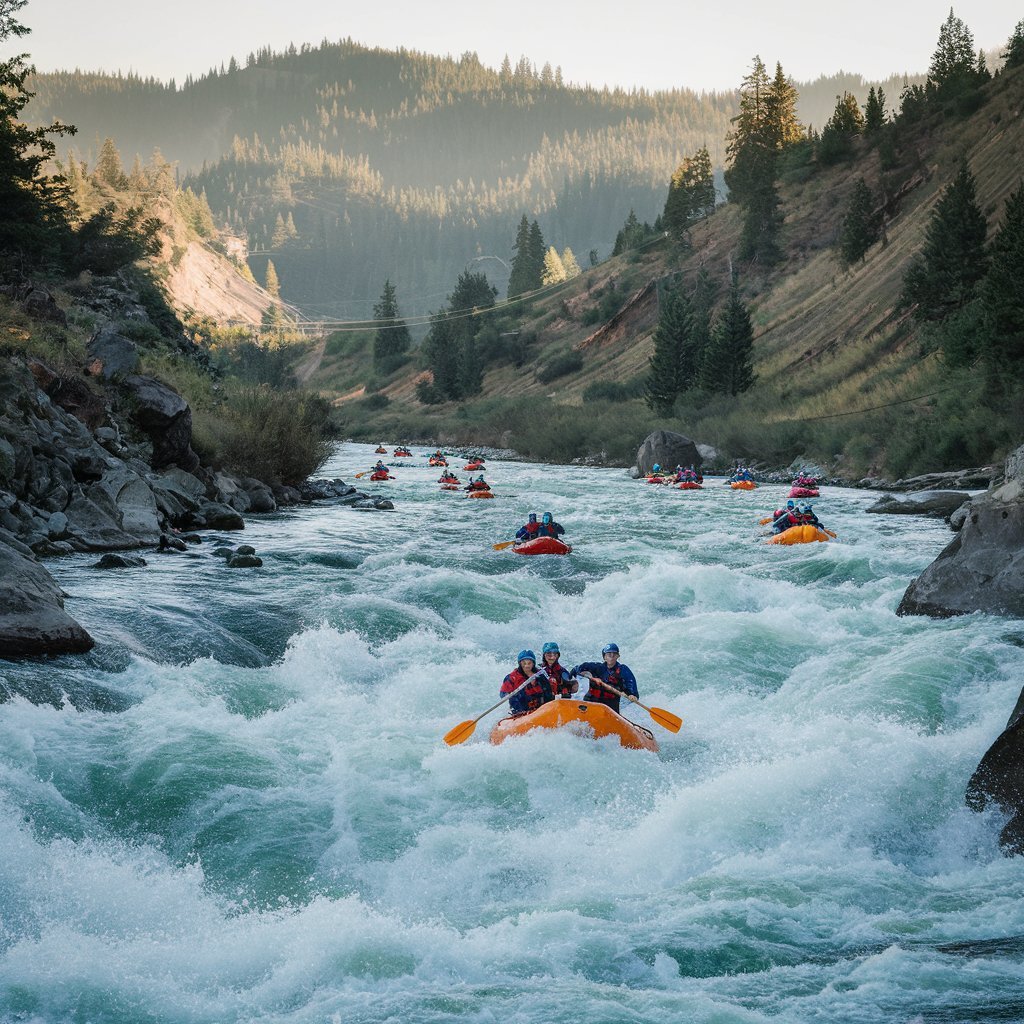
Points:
[(842, 370)]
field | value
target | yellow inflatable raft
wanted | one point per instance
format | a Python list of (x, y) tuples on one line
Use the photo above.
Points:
[(804, 534), (577, 714)]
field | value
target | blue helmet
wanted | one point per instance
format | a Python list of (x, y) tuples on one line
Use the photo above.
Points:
[(656, 467), (532, 517), (791, 503), (546, 518), (610, 649), (550, 647), (523, 655)]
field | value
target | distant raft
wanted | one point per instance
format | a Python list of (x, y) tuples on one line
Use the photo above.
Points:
[(803, 534), (804, 492), (689, 485), (542, 546), (585, 718), (479, 494), (743, 485)]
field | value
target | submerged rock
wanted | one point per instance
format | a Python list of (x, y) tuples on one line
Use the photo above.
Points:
[(112, 561), (244, 562), (940, 504), (999, 779), (32, 616)]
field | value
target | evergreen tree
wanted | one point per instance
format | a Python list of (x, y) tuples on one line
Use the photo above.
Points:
[(780, 111), (392, 339), (727, 366), (108, 167), (34, 207), (859, 230), (271, 282), (569, 264), (691, 194), (1013, 55), (537, 251), (280, 236), (874, 111), (471, 368), (845, 124), (953, 69), (554, 271), (943, 278), (672, 364), (442, 350), (1002, 298), (521, 278)]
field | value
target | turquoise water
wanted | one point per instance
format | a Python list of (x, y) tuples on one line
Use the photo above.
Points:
[(238, 807)]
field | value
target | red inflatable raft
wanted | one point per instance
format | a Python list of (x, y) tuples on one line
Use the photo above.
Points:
[(542, 546), (689, 485), (803, 492), (470, 466)]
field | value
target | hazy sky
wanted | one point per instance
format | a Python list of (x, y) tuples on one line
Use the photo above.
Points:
[(650, 43)]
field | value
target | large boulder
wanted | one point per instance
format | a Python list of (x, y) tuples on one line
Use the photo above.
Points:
[(111, 354), (982, 569), (134, 500), (941, 504), (999, 779), (669, 450), (32, 616), (165, 416)]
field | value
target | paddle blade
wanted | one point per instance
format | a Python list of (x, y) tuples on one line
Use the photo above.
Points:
[(765, 521), (501, 547), (460, 733), (359, 476), (830, 533), (666, 719)]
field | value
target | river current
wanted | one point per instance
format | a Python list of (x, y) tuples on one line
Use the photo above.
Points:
[(238, 807)]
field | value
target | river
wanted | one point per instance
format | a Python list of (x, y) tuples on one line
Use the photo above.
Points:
[(238, 807)]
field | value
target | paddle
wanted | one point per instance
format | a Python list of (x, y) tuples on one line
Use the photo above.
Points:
[(503, 545), (664, 718), (464, 730)]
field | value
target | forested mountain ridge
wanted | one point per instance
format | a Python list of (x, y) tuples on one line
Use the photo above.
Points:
[(348, 164)]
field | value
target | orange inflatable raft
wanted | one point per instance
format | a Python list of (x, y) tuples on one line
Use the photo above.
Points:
[(479, 494), (743, 485), (592, 720), (803, 534)]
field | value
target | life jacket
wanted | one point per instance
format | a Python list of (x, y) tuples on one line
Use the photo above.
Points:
[(551, 529), (536, 693), (532, 530), (600, 695), (558, 677), (477, 485)]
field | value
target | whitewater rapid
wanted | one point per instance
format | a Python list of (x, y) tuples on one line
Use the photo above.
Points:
[(239, 808)]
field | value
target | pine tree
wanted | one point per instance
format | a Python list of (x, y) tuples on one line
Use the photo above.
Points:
[(1013, 55), (728, 366), (537, 251), (442, 350), (1002, 298), (392, 339), (280, 236), (780, 111), (842, 127), (471, 368), (569, 264), (671, 365), (859, 230), (271, 282), (874, 111), (554, 272), (108, 167), (944, 277), (691, 194), (953, 68), (521, 277)]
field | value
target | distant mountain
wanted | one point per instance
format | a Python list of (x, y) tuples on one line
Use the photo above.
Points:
[(347, 165)]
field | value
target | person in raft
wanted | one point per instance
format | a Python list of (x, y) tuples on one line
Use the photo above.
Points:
[(549, 528), (380, 467), (609, 671), (562, 685), (479, 484), (447, 478), (784, 518), (534, 694), (530, 530)]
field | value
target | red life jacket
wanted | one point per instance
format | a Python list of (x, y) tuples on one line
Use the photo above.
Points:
[(561, 684), (602, 696), (537, 692)]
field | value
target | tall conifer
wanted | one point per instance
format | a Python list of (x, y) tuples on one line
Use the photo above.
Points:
[(392, 338), (1002, 297), (671, 366), (727, 366), (859, 229)]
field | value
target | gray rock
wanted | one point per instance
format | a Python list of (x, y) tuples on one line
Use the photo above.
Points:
[(374, 505), (964, 479), (93, 523), (941, 504), (112, 561), (261, 497), (170, 544), (32, 616), (46, 548), (668, 449), (107, 435), (223, 552), (57, 526), (999, 779), (42, 305), (134, 500), (245, 549), (244, 562), (707, 453), (634, 472), (111, 353), (165, 416), (216, 516), (8, 460), (959, 517)]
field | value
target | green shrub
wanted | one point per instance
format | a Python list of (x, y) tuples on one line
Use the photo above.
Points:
[(375, 401), (275, 436), (612, 391), (560, 365)]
